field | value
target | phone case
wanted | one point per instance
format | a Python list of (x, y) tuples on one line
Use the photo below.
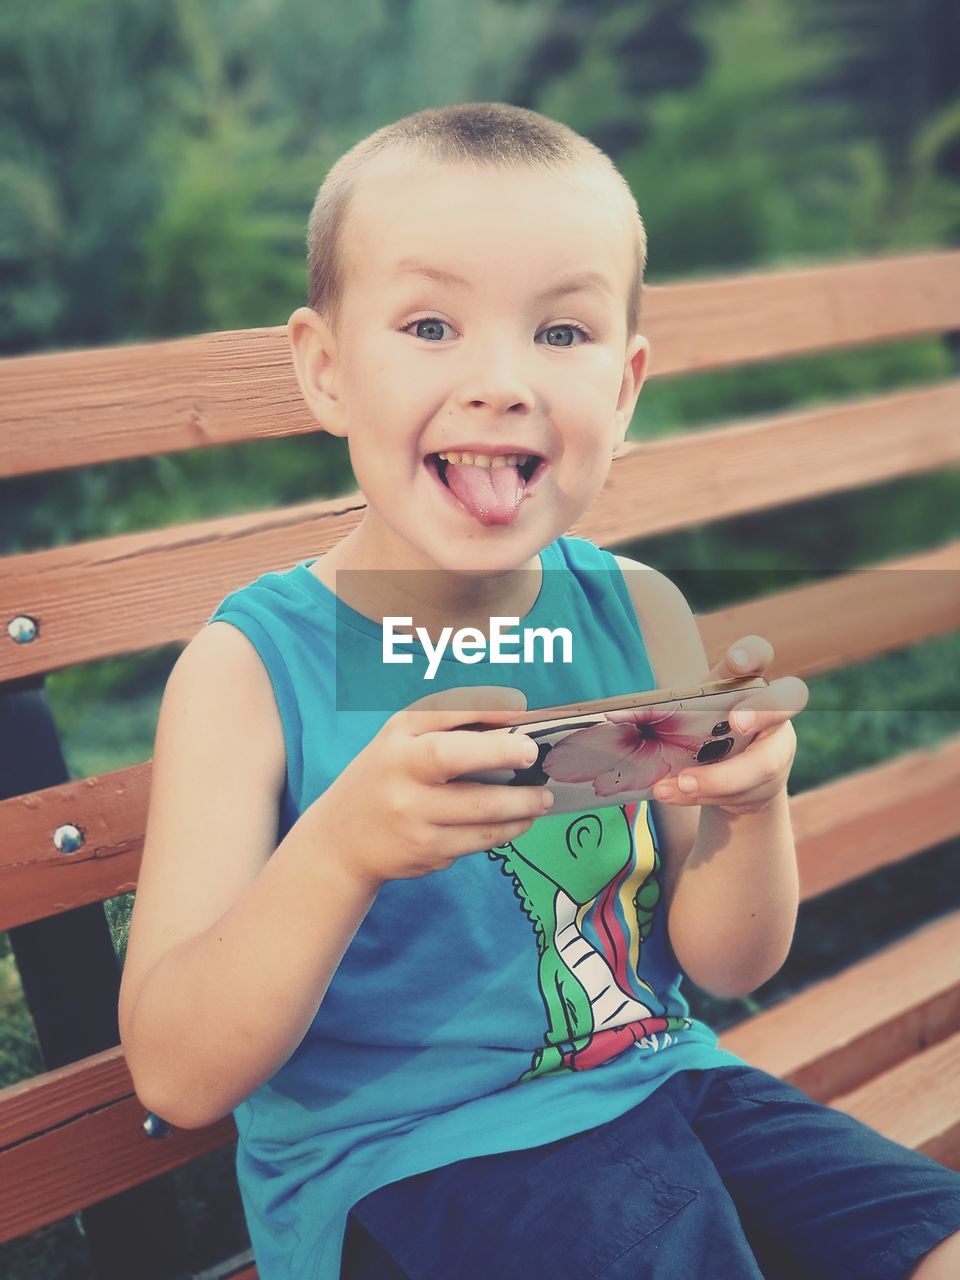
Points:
[(614, 750)]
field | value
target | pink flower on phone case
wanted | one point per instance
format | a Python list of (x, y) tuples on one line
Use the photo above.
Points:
[(632, 752)]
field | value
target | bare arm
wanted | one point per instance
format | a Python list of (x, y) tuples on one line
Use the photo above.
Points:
[(231, 949), (223, 1011), (734, 906), (232, 945), (731, 883)]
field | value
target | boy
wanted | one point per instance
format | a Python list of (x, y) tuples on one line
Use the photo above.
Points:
[(431, 1002)]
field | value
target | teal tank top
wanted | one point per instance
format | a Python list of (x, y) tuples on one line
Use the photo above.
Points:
[(522, 995)]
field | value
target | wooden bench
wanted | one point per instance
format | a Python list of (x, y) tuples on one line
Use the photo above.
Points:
[(881, 1040)]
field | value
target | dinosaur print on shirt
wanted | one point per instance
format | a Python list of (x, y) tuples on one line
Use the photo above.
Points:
[(587, 882)]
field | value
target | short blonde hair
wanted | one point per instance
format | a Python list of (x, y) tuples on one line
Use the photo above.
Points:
[(494, 133)]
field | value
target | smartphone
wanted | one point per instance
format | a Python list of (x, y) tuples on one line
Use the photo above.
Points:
[(614, 750)]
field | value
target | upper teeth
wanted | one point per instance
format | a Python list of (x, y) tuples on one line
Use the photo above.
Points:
[(485, 460)]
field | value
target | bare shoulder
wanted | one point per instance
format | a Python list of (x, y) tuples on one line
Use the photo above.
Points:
[(220, 681), (218, 769), (669, 627), (678, 658)]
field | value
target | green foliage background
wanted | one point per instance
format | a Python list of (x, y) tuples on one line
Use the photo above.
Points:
[(159, 162)]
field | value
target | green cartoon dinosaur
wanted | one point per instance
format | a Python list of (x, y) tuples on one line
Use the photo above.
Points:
[(566, 867)]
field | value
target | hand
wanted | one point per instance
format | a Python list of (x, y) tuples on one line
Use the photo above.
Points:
[(748, 782), (394, 813)]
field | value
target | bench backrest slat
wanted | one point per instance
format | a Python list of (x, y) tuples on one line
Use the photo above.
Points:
[(72, 408), (845, 829), (123, 594), (833, 1036), (92, 1155)]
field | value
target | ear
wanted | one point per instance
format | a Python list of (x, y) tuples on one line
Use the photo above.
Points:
[(634, 375), (315, 362)]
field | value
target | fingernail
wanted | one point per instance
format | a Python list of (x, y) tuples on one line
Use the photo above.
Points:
[(744, 720), (740, 657), (664, 790), (686, 783), (530, 752), (548, 798)]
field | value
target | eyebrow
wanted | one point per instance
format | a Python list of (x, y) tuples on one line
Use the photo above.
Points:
[(583, 282)]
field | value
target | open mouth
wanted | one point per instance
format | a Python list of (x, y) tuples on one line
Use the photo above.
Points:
[(528, 467), (490, 488)]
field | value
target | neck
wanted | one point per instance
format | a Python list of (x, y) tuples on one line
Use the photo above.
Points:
[(433, 597)]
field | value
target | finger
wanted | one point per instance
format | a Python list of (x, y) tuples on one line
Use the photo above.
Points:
[(779, 701), (753, 769), (453, 842), (751, 655), (450, 708), (445, 754), (466, 804)]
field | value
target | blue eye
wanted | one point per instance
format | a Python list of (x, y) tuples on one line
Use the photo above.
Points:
[(559, 328), (431, 324)]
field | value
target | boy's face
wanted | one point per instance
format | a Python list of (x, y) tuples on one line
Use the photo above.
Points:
[(506, 363)]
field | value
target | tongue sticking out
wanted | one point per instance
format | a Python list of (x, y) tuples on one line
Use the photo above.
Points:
[(492, 495)]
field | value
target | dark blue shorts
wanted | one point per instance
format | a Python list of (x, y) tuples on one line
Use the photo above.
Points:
[(723, 1173)]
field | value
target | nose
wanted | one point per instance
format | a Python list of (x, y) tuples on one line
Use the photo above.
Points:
[(498, 380)]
